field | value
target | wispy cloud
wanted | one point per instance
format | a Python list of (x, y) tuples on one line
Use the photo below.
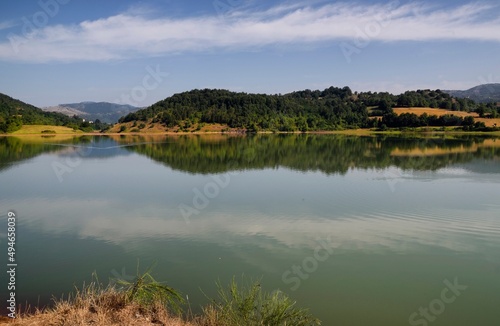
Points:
[(133, 34)]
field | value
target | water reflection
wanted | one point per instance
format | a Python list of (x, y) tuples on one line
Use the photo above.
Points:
[(329, 154), (391, 207)]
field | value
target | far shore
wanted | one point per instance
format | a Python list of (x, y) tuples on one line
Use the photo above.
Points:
[(352, 132), (52, 132)]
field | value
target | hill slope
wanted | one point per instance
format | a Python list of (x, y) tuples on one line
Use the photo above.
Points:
[(331, 109), (104, 111), (15, 113), (482, 94)]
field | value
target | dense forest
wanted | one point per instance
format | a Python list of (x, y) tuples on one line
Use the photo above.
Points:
[(330, 109), (14, 114)]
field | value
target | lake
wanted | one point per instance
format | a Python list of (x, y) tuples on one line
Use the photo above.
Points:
[(379, 230)]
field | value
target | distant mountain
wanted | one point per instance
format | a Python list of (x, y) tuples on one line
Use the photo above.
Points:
[(104, 111), (482, 94)]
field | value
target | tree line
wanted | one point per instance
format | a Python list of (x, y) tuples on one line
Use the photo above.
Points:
[(331, 109)]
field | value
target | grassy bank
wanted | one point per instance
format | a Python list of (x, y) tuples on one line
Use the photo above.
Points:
[(145, 301), (42, 129), (57, 132)]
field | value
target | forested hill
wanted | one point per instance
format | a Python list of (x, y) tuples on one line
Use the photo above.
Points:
[(482, 94), (330, 109), (14, 114)]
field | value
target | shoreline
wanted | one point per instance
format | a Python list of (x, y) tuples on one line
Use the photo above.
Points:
[(350, 132)]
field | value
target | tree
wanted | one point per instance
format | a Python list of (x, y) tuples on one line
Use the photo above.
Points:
[(481, 111), (385, 105)]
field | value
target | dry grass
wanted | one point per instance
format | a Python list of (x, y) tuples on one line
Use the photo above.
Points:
[(431, 111), (441, 112), (38, 129), (107, 308), (97, 306), (489, 122)]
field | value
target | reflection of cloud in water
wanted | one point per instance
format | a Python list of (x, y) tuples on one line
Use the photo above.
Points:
[(453, 171), (378, 233)]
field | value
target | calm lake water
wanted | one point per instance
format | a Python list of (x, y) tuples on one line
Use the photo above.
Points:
[(361, 230)]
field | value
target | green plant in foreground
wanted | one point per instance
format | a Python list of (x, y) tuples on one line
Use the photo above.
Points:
[(145, 290), (249, 305)]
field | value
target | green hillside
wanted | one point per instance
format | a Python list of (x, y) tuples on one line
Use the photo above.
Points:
[(330, 109), (14, 114), (482, 94)]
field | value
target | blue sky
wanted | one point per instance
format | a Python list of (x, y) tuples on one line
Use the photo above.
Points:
[(139, 52)]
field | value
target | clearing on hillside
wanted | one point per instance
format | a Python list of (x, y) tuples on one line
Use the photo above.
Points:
[(440, 112)]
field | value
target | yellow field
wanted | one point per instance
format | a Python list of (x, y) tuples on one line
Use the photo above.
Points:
[(37, 129), (440, 112), (431, 111)]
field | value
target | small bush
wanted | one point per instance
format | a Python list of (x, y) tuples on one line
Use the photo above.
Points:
[(249, 305), (147, 292)]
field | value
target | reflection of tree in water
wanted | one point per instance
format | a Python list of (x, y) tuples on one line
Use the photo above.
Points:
[(13, 149), (307, 152), (303, 152)]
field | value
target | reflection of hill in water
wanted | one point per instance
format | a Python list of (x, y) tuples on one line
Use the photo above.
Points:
[(304, 152), (325, 153), (14, 149), (483, 166), (95, 148)]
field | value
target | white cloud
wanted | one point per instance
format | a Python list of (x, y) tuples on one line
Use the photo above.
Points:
[(378, 232), (132, 34)]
